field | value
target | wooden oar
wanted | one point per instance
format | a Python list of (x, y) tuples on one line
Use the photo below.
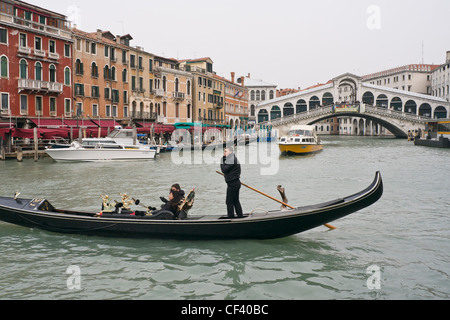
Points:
[(274, 199)]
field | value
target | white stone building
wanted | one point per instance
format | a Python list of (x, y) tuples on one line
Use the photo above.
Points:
[(441, 80)]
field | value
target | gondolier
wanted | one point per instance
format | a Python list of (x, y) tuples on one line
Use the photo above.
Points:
[(231, 169)]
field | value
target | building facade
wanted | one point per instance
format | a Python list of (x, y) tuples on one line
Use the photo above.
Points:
[(259, 92), (413, 77), (172, 91), (101, 83), (236, 102), (208, 94), (35, 62), (441, 80)]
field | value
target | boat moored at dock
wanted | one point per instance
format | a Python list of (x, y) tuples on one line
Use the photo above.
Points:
[(437, 134)]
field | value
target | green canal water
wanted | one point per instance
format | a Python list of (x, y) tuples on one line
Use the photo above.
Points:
[(395, 249)]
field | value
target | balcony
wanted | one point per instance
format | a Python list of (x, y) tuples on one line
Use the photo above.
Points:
[(54, 56), (24, 50), (39, 53), (158, 92), (143, 115), (40, 86), (178, 96)]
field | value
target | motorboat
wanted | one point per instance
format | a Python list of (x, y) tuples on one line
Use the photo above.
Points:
[(301, 140), (120, 144)]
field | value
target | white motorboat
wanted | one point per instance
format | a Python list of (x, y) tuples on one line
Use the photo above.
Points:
[(120, 144)]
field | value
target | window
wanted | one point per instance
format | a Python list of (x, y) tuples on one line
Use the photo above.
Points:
[(106, 51), (115, 96), (125, 112), (79, 67), (94, 70), (79, 108), (140, 64), (79, 89), (107, 93), (133, 83), (114, 111), (38, 71), (52, 106), (125, 97), (125, 76), (67, 51), (52, 73), (150, 63), (132, 61), (93, 48), (5, 101), (52, 46), (141, 84), (4, 67), (23, 69), (95, 92), (37, 43), (67, 106), (23, 40), (38, 105), (113, 73), (3, 36), (23, 104), (108, 110), (95, 110), (88, 47), (67, 74)]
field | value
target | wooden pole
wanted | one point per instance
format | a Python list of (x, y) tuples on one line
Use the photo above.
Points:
[(36, 146), (274, 199)]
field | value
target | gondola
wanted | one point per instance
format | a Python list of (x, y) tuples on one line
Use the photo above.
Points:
[(40, 214)]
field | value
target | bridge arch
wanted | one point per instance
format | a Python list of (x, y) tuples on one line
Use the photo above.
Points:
[(368, 98), (425, 110), (327, 99), (263, 115), (440, 112), (397, 104), (288, 109), (411, 107), (275, 113), (301, 106), (382, 101), (314, 102)]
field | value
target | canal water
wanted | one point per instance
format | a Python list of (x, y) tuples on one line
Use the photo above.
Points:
[(396, 249)]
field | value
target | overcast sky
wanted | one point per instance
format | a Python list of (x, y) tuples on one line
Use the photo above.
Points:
[(290, 43)]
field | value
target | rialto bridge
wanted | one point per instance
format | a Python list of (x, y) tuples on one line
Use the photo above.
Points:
[(347, 96)]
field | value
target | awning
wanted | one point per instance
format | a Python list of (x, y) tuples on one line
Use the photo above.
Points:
[(82, 123), (49, 123), (106, 123)]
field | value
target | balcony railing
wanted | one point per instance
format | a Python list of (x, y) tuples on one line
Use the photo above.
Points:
[(40, 86), (143, 115), (178, 95), (24, 50)]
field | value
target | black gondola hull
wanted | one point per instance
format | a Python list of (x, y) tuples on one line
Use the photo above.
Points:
[(38, 213)]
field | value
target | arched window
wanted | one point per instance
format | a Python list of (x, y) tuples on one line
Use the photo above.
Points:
[(38, 71), (252, 95), (52, 73), (164, 85), (125, 75), (23, 69), (113, 73), (271, 95), (189, 89), (4, 67), (67, 74), (258, 95), (263, 95), (94, 70), (106, 74)]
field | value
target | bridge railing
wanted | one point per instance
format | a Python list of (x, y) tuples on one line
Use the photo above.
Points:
[(321, 111)]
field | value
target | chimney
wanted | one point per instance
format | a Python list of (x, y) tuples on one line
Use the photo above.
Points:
[(118, 39), (242, 81), (248, 76), (232, 76), (99, 33)]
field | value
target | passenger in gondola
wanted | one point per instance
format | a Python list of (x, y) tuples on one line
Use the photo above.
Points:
[(172, 205), (176, 187)]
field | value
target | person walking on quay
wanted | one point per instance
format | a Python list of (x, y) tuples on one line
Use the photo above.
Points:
[(231, 168)]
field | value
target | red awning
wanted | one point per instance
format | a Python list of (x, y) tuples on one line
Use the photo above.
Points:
[(82, 123), (49, 123), (106, 123)]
